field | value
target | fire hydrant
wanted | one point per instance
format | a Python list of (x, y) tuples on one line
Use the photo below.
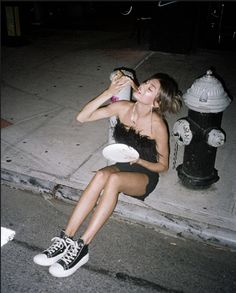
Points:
[(200, 132)]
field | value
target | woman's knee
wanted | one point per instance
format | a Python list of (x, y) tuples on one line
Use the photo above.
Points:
[(103, 175), (114, 181)]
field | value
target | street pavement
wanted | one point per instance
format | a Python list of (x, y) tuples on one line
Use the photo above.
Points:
[(125, 257), (44, 149)]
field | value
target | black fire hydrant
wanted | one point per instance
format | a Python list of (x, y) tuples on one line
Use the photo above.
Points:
[(201, 132)]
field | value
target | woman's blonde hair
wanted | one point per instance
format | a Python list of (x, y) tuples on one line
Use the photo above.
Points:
[(170, 97)]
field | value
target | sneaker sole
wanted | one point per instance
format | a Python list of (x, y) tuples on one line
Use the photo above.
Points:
[(67, 273)]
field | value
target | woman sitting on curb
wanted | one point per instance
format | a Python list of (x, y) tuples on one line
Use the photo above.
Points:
[(141, 125)]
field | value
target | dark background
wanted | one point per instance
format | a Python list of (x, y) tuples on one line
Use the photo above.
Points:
[(169, 26)]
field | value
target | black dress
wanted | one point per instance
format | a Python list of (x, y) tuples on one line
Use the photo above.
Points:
[(145, 146)]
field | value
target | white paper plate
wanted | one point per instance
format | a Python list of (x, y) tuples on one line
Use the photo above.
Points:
[(119, 152)]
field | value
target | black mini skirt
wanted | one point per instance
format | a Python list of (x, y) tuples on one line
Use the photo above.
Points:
[(153, 177)]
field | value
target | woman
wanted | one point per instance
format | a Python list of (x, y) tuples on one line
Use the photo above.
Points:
[(141, 125)]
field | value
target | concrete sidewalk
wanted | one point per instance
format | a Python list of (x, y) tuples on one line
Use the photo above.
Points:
[(47, 82)]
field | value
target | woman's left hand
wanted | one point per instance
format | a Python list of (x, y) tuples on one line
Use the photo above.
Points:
[(135, 161)]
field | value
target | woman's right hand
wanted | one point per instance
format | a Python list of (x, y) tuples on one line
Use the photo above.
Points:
[(118, 83)]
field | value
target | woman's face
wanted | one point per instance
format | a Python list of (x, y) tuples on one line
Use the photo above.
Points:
[(148, 91)]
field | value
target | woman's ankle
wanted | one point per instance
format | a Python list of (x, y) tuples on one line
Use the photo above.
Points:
[(85, 240), (68, 233)]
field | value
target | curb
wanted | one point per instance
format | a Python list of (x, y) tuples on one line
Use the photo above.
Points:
[(163, 222)]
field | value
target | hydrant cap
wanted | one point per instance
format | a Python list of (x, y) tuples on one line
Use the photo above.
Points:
[(207, 95)]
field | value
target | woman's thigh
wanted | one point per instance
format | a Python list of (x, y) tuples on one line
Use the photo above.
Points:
[(107, 171), (130, 183)]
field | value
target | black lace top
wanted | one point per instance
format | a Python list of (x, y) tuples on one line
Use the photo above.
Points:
[(145, 146)]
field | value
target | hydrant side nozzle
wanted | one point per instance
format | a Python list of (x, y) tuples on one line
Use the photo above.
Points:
[(182, 132), (215, 137)]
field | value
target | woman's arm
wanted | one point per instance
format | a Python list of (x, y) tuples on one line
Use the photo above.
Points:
[(93, 110)]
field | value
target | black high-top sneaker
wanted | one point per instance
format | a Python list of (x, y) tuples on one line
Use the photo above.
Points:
[(76, 256), (56, 251)]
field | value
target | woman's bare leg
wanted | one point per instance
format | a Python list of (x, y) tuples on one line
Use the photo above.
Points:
[(130, 183), (88, 200)]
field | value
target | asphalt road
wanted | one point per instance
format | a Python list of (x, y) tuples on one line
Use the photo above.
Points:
[(124, 257)]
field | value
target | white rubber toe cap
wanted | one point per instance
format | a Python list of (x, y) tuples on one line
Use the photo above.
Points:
[(58, 271), (43, 260)]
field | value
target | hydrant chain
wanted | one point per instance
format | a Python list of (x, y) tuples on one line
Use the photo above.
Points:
[(175, 155)]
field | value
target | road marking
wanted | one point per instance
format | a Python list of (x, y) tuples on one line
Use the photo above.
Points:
[(6, 235)]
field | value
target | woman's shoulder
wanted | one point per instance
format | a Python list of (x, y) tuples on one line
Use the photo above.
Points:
[(122, 104), (123, 107), (125, 103)]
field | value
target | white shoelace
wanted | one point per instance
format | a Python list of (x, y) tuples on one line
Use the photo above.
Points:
[(73, 250), (58, 243)]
